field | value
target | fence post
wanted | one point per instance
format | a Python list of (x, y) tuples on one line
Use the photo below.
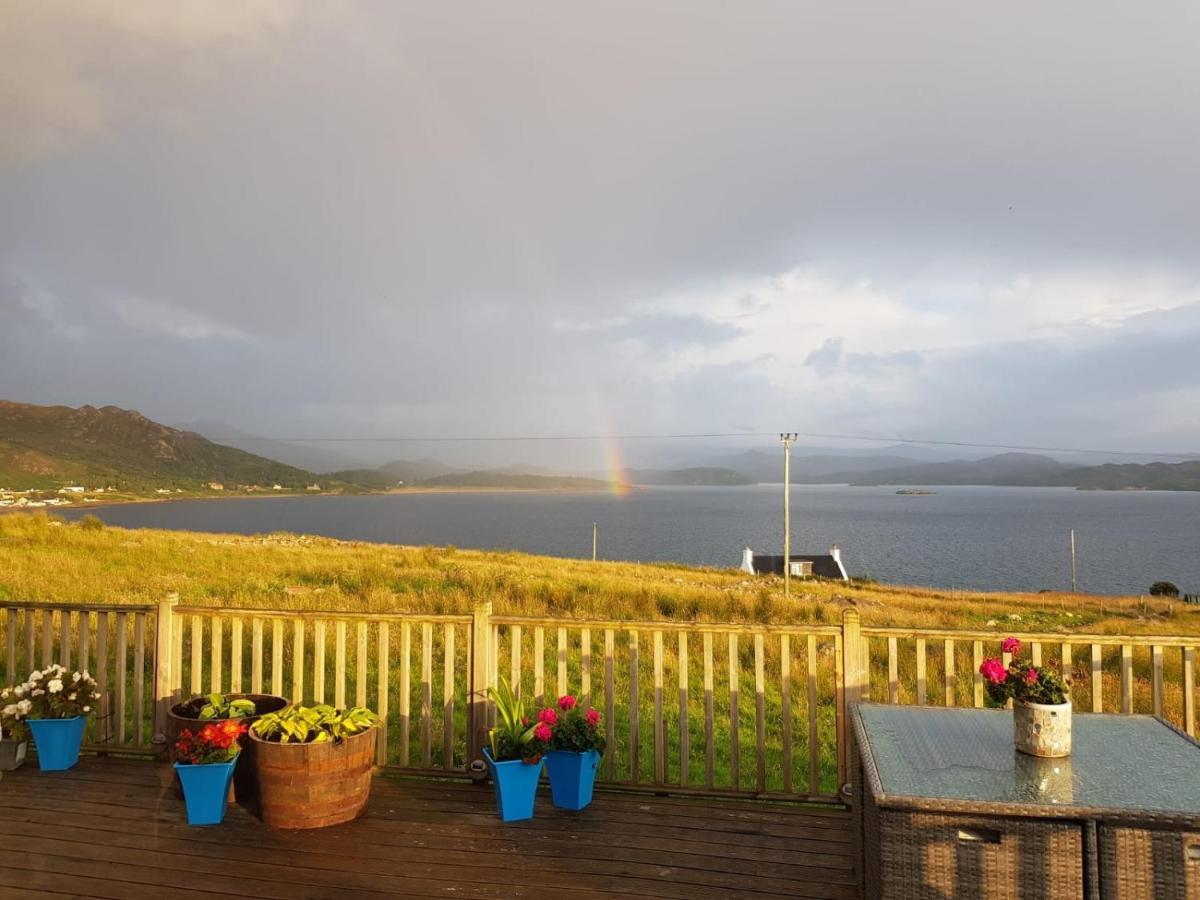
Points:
[(850, 691), (163, 680), (481, 651)]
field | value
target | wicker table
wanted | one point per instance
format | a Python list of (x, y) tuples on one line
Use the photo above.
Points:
[(945, 807)]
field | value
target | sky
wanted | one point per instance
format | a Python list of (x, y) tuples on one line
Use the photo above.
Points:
[(932, 219)]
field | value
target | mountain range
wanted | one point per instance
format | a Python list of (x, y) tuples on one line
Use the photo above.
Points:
[(47, 446)]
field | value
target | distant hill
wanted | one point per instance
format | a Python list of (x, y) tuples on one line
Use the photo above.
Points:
[(763, 467), (1184, 476), (695, 476), (1032, 470), (390, 475), (45, 446), (1002, 469), (491, 479)]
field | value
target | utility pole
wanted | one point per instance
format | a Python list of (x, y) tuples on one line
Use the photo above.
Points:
[(787, 439), (593, 542), (1074, 583)]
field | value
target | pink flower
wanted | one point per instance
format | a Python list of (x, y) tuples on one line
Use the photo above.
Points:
[(542, 732), (548, 717), (593, 717), (1031, 676), (993, 670), (1011, 645), (566, 702)]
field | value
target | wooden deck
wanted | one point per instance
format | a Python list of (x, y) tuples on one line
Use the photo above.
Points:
[(115, 828)]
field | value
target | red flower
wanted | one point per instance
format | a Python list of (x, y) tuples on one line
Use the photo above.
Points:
[(548, 716), (993, 670), (542, 732), (593, 717), (1031, 676), (566, 702), (1011, 645)]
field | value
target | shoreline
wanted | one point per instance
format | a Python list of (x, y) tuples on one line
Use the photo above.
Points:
[(101, 504)]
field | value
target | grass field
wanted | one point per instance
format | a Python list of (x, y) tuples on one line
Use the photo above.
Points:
[(46, 560)]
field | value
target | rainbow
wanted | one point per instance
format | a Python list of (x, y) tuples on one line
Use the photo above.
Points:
[(618, 478)]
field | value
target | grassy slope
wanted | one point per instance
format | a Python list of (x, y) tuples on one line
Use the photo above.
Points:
[(44, 559)]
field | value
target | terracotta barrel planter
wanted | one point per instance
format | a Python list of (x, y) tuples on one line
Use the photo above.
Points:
[(184, 715), (314, 785), (1041, 729)]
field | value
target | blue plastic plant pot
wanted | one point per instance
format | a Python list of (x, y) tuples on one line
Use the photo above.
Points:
[(516, 784), (57, 742), (205, 788), (572, 777)]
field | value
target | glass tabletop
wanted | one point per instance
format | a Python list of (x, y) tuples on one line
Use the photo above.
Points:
[(1133, 763)]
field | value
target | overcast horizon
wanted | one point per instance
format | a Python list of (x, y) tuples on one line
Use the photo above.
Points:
[(375, 219)]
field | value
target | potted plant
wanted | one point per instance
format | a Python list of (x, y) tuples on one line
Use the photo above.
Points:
[(14, 733), (205, 760), (1041, 702), (59, 706), (514, 754), (246, 708), (575, 748), (314, 764)]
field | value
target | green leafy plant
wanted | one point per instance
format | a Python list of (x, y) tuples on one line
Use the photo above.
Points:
[(218, 706), (313, 724), (515, 735)]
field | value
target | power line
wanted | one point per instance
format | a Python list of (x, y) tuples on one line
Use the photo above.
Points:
[(456, 439)]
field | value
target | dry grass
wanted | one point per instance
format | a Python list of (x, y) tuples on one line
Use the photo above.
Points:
[(45, 559)]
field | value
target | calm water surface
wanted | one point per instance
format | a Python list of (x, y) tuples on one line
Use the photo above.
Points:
[(979, 537)]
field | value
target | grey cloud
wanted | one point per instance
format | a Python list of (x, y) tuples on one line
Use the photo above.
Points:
[(359, 217), (831, 357), (660, 329)]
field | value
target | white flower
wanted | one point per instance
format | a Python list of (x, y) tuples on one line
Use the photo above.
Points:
[(71, 696), (37, 692), (19, 690), (35, 675), (24, 706), (54, 685), (10, 710), (87, 709), (4, 694), (76, 677)]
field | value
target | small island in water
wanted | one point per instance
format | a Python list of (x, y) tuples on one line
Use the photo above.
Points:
[(915, 492)]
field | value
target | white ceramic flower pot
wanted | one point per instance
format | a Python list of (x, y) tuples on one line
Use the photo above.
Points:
[(1042, 729)]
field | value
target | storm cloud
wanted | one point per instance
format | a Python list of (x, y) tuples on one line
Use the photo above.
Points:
[(386, 218)]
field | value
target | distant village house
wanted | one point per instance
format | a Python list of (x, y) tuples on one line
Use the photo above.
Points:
[(216, 485), (802, 565)]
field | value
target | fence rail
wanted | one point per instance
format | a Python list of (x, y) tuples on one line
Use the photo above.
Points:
[(732, 709)]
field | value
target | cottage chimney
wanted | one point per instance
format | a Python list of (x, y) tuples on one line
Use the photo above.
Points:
[(748, 560)]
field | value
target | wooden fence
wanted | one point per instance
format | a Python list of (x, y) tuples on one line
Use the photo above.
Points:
[(720, 709)]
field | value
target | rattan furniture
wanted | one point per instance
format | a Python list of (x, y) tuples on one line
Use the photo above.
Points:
[(945, 807)]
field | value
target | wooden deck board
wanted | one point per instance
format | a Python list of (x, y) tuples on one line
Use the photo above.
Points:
[(116, 828)]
